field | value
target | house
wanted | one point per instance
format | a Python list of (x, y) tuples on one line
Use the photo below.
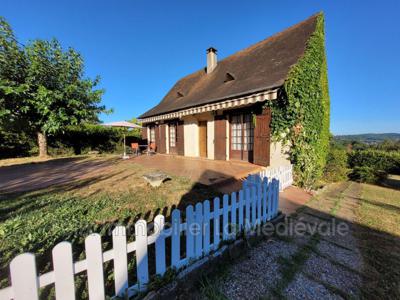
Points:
[(218, 112)]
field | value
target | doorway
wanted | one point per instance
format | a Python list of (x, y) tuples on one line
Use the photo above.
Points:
[(203, 139)]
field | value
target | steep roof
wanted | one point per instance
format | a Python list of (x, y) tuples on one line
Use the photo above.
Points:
[(262, 66)]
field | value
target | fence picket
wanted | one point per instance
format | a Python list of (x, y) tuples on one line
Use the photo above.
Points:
[(233, 215), (199, 232), (206, 227), (159, 223), (63, 271), (141, 254), (94, 258), (276, 196), (175, 238), (25, 283), (225, 212), (259, 200), (253, 206), (216, 223), (190, 223), (241, 207), (270, 189), (247, 220), (264, 199), (120, 260)]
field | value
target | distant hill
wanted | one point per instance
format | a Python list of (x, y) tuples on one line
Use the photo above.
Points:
[(369, 138)]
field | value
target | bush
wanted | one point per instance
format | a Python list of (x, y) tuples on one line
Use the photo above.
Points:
[(382, 161), (367, 174), (336, 166)]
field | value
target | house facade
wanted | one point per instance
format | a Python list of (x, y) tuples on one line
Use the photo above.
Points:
[(219, 112)]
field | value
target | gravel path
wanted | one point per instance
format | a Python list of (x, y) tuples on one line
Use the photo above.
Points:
[(316, 265)]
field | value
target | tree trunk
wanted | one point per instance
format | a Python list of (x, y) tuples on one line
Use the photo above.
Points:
[(42, 142)]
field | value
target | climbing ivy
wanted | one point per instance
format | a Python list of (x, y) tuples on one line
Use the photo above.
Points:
[(300, 116)]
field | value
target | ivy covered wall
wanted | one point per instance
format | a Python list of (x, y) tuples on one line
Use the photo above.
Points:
[(300, 116)]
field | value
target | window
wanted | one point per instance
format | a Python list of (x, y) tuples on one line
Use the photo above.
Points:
[(242, 132), (229, 77), (236, 133), (172, 135), (152, 135)]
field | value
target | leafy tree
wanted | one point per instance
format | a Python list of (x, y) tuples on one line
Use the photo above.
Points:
[(44, 87)]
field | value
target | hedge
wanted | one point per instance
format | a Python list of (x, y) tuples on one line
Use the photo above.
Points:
[(74, 140), (384, 161)]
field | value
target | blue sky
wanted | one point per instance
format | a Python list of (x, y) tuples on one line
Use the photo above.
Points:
[(140, 48)]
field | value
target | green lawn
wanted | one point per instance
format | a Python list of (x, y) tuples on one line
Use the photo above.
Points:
[(379, 239), (36, 221)]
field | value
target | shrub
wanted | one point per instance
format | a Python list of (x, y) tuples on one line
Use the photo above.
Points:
[(336, 166), (388, 162), (367, 174)]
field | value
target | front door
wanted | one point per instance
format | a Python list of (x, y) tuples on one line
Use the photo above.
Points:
[(203, 139), (241, 137)]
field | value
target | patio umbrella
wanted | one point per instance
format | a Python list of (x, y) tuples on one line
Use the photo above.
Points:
[(123, 124)]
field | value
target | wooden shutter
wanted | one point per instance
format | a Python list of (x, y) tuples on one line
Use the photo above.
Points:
[(262, 138), (220, 138), (144, 133), (157, 136), (180, 143), (162, 142)]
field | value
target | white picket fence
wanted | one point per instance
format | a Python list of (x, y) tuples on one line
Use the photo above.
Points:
[(255, 204), (283, 173)]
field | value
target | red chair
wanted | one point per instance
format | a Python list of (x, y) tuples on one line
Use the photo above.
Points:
[(152, 148), (135, 148)]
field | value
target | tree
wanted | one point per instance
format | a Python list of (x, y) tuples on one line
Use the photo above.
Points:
[(50, 92)]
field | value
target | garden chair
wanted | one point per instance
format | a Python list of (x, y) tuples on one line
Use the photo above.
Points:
[(151, 149), (135, 148)]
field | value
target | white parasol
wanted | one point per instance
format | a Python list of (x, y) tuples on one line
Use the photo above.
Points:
[(123, 124)]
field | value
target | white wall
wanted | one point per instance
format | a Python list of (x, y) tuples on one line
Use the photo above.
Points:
[(278, 155), (227, 139), (191, 136), (210, 139)]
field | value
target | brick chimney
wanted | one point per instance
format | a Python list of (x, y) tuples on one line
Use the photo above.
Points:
[(211, 59)]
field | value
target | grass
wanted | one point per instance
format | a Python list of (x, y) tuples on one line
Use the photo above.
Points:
[(379, 238), (112, 194)]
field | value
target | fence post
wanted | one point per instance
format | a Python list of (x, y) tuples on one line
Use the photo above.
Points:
[(63, 271), (216, 223), (206, 227), (120, 260), (159, 222), (141, 254), (25, 283), (175, 238), (190, 248), (94, 258)]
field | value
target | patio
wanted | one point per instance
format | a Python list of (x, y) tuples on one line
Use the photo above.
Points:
[(204, 171)]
